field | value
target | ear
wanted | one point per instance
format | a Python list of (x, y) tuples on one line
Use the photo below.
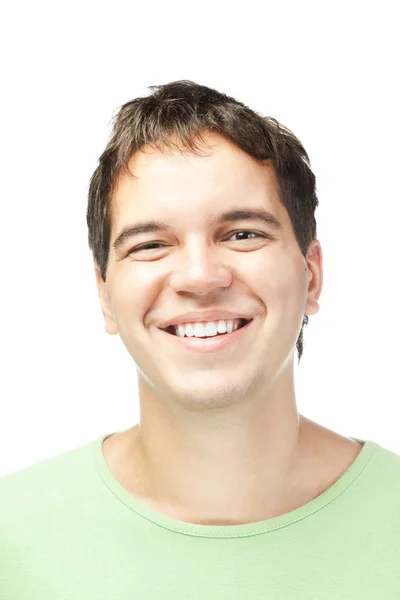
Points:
[(315, 277), (110, 324)]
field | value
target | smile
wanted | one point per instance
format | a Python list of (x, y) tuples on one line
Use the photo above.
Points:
[(209, 344)]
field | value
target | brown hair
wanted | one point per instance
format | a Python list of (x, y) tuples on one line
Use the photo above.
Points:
[(182, 110)]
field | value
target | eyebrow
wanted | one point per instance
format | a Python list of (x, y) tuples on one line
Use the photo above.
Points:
[(259, 215)]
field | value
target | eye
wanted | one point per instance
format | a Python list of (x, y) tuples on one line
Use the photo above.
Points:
[(248, 232), (144, 247), (151, 245)]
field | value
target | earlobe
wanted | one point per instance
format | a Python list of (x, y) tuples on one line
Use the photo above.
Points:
[(110, 325)]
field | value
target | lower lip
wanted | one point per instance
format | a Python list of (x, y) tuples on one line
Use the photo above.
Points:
[(211, 344)]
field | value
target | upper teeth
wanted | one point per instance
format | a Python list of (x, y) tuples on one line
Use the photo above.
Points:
[(210, 328)]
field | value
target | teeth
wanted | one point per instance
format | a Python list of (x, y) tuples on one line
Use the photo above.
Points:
[(186, 330), (210, 329), (221, 327)]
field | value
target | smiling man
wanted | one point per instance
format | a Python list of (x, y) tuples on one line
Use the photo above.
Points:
[(209, 301), (201, 222)]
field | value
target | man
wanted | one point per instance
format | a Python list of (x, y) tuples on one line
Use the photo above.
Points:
[(201, 222)]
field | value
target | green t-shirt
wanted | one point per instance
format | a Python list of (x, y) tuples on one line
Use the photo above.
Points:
[(70, 531)]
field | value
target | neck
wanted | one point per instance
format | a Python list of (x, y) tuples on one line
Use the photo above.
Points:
[(229, 469)]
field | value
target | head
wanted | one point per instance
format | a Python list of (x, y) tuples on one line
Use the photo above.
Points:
[(183, 155)]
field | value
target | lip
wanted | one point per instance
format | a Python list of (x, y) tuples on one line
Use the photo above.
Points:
[(212, 344)]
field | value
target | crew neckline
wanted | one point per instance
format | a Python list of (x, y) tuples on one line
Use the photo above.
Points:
[(231, 531)]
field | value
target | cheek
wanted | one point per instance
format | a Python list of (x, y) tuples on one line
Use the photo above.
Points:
[(279, 283), (270, 279), (137, 292), (127, 291)]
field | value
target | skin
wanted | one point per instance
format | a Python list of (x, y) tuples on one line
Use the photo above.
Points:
[(220, 440)]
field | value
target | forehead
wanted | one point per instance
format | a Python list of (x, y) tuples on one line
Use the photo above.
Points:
[(179, 181)]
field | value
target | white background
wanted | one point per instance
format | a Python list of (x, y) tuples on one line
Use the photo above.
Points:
[(329, 72)]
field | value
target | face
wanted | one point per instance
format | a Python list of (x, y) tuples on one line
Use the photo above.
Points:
[(245, 266)]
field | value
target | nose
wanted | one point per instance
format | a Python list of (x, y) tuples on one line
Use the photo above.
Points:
[(199, 270)]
